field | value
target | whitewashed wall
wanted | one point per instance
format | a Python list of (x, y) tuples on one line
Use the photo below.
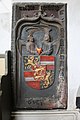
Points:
[(73, 38)]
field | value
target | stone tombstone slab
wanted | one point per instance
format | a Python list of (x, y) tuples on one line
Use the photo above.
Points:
[(39, 47)]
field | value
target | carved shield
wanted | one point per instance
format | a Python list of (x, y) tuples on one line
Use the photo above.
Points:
[(39, 71)]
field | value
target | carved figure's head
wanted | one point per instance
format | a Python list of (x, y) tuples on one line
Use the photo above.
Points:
[(47, 36), (30, 38)]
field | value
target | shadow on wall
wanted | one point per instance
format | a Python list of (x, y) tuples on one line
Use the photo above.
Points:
[(78, 98), (0, 100)]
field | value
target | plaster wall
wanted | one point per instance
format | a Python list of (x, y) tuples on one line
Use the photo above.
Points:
[(73, 40)]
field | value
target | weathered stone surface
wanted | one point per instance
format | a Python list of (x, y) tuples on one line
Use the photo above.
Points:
[(39, 43)]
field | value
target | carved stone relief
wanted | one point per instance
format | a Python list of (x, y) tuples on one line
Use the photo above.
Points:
[(39, 56)]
